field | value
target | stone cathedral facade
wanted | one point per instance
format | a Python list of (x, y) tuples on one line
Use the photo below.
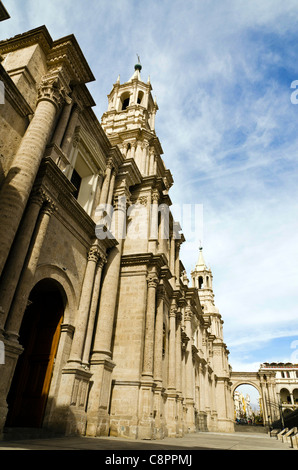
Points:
[(102, 334)]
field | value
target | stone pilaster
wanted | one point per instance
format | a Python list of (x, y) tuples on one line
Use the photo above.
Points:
[(18, 184)]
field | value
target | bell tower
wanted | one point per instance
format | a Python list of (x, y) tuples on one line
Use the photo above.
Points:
[(129, 122), (202, 279)]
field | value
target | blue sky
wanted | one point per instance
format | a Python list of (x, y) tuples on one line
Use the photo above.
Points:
[(221, 71)]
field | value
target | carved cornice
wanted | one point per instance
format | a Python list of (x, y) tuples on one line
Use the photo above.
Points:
[(67, 51), (38, 35)]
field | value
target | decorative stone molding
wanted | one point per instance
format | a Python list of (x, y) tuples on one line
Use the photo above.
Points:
[(142, 200)]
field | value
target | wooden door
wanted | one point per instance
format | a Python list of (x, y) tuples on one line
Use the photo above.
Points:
[(39, 336)]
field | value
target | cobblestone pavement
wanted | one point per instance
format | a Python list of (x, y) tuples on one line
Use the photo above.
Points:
[(188, 444)]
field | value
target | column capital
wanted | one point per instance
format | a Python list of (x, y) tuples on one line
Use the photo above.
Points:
[(51, 89), (49, 206), (38, 196), (152, 280), (101, 260), (93, 254), (155, 196)]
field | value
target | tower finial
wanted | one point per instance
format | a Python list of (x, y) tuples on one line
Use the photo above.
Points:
[(138, 66)]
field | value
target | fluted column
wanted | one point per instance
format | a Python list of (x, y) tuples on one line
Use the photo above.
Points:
[(18, 184), (12, 272), (84, 307), (14, 319)]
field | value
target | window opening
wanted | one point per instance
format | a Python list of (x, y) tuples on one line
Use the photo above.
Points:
[(76, 181)]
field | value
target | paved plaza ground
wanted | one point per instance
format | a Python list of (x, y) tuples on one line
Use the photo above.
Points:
[(189, 444)]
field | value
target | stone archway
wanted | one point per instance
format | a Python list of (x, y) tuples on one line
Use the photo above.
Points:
[(247, 407), (39, 336), (265, 384)]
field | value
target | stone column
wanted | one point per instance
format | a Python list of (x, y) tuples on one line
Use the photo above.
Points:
[(62, 123), (150, 320), (18, 184), (105, 187), (189, 372), (93, 309), (172, 348), (179, 375), (101, 364), (146, 421), (73, 121), (158, 339), (25, 284), (171, 389), (158, 363), (151, 161), (84, 308), (12, 272), (177, 262), (153, 240)]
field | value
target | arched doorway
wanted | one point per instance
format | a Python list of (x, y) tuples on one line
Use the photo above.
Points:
[(39, 336), (247, 408)]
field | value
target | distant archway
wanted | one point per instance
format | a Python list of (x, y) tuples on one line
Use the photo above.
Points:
[(247, 408), (39, 336)]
